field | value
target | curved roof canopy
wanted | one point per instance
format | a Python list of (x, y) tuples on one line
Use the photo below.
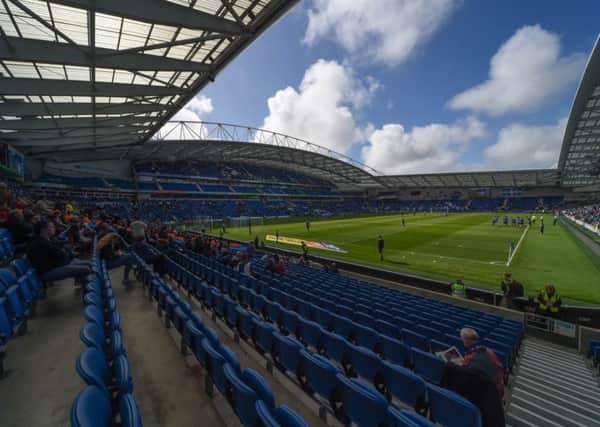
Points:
[(92, 74), (580, 154)]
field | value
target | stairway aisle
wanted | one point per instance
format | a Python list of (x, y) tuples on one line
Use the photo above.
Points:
[(553, 387)]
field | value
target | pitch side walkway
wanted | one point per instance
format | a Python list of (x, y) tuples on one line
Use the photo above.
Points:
[(553, 387), (593, 246)]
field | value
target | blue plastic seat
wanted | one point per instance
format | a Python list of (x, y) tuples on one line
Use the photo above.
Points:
[(116, 344), (93, 314), (181, 315), (283, 416), (404, 385), (413, 339), (231, 314), (130, 413), (428, 366), (320, 374), (123, 379), (361, 403), (214, 365), (18, 310), (404, 418), (365, 336), (343, 326), (245, 322), (394, 351), (337, 348), (450, 409), (387, 328), (91, 408), (257, 383), (91, 367), (272, 311), (219, 303), (289, 321), (93, 336), (287, 352), (365, 363), (263, 335), (309, 333), (6, 330), (322, 317), (241, 396)]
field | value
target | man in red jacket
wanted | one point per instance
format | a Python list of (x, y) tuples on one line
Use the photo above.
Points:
[(482, 359)]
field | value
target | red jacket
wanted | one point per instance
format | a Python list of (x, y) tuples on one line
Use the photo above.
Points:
[(484, 360)]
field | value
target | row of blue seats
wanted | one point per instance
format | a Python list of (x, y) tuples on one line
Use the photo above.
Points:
[(320, 375), (7, 249), (107, 400), (248, 393), (357, 326), (20, 289)]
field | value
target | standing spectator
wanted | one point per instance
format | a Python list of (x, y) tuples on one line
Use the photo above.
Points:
[(380, 246), (19, 230), (458, 289), (110, 251), (482, 359), (511, 289)]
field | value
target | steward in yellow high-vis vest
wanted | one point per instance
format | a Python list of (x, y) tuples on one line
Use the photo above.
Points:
[(458, 289), (548, 301)]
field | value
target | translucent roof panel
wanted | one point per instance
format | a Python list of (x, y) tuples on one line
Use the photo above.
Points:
[(85, 76), (580, 155)]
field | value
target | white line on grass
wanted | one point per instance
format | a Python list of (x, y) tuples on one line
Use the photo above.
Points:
[(512, 255)]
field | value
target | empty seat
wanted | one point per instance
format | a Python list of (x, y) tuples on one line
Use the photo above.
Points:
[(428, 366), (91, 408), (320, 374), (365, 363), (404, 385), (91, 367), (283, 416), (263, 335), (289, 321), (394, 351), (361, 403), (366, 337), (450, 409), (241, 397), (287, 352), (413, 339), (93, 336), (214, 365), (309, 333), (337, 348), (257, 383), (404, 418), (129, 411)]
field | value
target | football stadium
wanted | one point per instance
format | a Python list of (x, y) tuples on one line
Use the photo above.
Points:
[(160, 267)]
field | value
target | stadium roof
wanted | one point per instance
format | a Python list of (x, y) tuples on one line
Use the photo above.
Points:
[(91, 74), (580, 155), (522, 178)]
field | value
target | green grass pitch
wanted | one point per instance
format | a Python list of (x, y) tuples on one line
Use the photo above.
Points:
[(463, 246)]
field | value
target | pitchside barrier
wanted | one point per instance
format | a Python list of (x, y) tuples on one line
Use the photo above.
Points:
[(575, 327)]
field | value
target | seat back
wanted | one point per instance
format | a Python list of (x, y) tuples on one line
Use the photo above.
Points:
[(404, 385), (320, 374), (405, 418), (365, 363), (91, 367), (130, 413), (257, 383), (451, 410), (122, 373), (361, 403), (241, 396), (428, 366), (92, 336)]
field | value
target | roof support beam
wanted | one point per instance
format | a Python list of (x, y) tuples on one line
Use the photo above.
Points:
[(80, 88), (72, 123), (44, 136), (160, 12), (31, 50), (25, 109)]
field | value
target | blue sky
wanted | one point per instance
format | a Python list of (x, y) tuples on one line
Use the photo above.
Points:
[(414, 86)]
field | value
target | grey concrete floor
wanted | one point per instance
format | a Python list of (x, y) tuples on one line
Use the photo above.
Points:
[(40, 381)]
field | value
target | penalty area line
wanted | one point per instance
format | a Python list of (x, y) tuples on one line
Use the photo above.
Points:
[(512, 255)]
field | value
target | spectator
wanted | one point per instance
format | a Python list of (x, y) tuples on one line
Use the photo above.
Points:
[(458, 289), (20, 230), (4, 202), (549, 302), (50, 260), (482, 359), (110, 251), (511, 289)]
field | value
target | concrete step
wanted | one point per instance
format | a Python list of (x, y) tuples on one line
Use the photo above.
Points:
[(568, 376), (520, 416), (556, 385), (567, 402)]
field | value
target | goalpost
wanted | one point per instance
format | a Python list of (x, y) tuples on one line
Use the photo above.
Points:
[(246, 221)]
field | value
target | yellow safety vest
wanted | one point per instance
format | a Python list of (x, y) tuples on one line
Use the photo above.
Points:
[(547, 302), (458, 290)]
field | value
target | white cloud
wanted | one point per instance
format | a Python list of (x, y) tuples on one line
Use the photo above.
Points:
[(321, 110), (433, 148), (525, 72), (192, 112), (387, 32), (526, 147)]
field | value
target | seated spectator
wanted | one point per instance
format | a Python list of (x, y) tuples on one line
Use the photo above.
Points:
[(278, 265), (20, 230), (482, 359), (4, 202), (110, 251), (79, 242), (52, 261)]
